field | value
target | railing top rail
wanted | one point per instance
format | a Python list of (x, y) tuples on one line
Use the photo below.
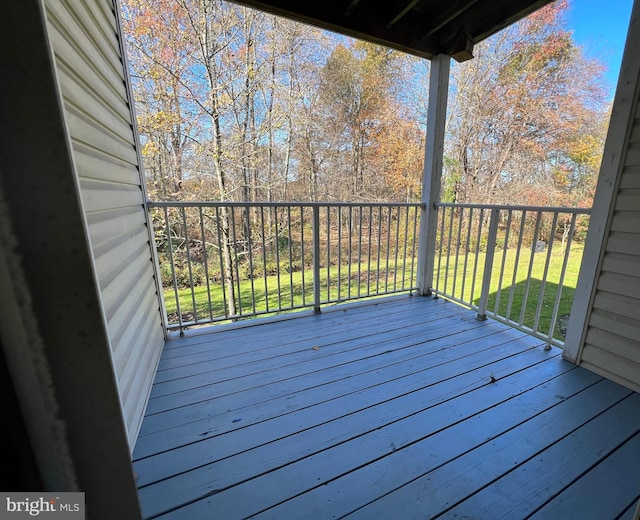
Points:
[(296, 204), (551, 209)]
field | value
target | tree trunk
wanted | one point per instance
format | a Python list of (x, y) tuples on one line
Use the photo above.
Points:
[(227, 245)]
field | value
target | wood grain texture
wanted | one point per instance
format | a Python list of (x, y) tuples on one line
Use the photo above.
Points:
[(415, 411)]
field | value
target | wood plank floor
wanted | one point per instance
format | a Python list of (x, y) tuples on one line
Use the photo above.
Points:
[(403, 408)]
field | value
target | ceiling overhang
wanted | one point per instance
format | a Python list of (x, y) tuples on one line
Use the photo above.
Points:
[(424, 28)]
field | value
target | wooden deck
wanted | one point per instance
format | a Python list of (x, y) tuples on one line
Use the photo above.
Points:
[(406, 408)]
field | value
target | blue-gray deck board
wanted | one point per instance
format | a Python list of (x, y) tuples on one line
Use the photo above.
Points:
[(403, 408)]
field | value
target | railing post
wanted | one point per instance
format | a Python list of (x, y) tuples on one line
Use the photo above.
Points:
[(316, 258), (433, 157), (488, 264)]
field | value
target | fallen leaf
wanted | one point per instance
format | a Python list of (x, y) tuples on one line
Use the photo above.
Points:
[(316, 348)]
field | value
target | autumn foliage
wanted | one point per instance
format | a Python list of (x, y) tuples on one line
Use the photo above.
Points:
[(235, 104), (529, 117)]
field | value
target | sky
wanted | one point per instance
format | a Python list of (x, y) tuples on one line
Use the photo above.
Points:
[(600, 28)]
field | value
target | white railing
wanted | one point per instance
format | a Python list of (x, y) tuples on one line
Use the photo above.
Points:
[(517, 264), (225, 261)]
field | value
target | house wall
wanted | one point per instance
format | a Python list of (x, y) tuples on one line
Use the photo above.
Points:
[(604, 333), (53, 335), (612, 342), (96, 100)]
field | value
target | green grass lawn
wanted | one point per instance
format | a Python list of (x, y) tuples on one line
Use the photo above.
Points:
[(524, 295), (256, 298), (261, 294)]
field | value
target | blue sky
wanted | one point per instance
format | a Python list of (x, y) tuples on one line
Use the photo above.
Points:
[(600, 29)]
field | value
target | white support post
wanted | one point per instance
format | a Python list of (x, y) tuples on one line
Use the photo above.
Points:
[(432, 173)]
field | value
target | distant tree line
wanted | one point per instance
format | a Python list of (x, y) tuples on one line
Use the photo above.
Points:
[(235, 104), (528, 118)]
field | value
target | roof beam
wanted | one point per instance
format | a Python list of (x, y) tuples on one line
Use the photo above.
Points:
[(408, 8), (449, 16), (424, 28)]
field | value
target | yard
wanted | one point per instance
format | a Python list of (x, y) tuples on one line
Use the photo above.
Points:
[(515, 293)]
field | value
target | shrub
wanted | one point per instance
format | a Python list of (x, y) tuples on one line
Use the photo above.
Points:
[(183, 280)]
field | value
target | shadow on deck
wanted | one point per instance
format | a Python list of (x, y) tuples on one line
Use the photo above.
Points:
[(403, 408)]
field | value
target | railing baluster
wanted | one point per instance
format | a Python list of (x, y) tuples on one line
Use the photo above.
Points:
[(404, 252), (369, 251), (543, 282), (523, 308), (488, 264), (328, 224), (453, 289), (359, 250), (302, 257), (339, 212), (477, 257), (289, 239), (446, 270), (515, 266), (316, 258), (350, 260), (173, 270), (234, 240), (397, 247), (264, 260), (223, 282), (189, 266), (503, 263), (388, 230), (466, 255), (565, 261), (379, 249), (413, 248), (250, 255), (439, 290), (277, 244), (206, 261)]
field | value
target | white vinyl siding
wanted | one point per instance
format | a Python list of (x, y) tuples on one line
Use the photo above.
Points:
[(612, 342), (90, 70)]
